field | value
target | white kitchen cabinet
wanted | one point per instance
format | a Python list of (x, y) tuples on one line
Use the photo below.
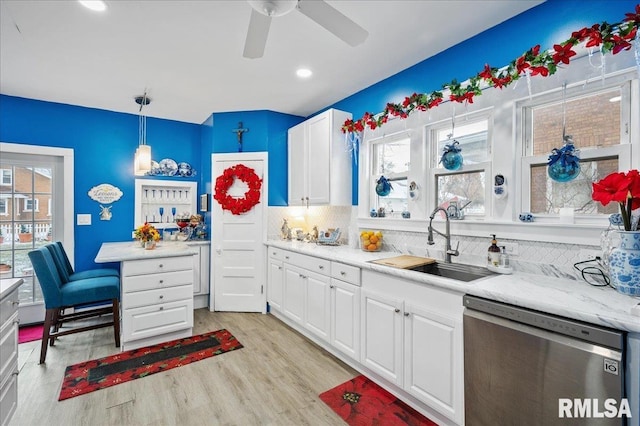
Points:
[(319, 165), (422, 348), (201, 274), (432, 361), (345, 317), (294, 293), (275, 283), (156, 300), (152, 195), (382, 340), (318, 305), (8, 356)]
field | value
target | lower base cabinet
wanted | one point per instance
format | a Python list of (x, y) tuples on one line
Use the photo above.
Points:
[(8, 356), (415, 342), (345, 317)]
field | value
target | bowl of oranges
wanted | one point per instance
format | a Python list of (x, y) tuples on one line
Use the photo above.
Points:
[(371, 240)]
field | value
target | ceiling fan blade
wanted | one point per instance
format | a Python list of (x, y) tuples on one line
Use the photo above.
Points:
[(334, 21), (256, 35)]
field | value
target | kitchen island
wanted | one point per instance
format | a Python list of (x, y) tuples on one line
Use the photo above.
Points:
[(156, 291)]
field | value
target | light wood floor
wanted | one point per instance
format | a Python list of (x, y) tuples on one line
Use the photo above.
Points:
[(274, 380)]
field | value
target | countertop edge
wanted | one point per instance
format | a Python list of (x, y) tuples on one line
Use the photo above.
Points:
[(126, 251), (7, 285)]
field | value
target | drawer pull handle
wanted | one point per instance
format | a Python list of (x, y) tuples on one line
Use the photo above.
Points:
[(273, 253), (15, 373), (331, 286), (343, 273), (286, 257), (15, 303), (321, 267), (161, 281), (279, 267), (16, 322), (161, 297), (397, 310), (161, 308), (160, 266)]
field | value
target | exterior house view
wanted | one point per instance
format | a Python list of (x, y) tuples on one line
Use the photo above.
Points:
[(434, 221)]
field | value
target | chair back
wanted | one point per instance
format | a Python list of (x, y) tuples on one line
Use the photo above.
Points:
[(48, 276), (58, 259)]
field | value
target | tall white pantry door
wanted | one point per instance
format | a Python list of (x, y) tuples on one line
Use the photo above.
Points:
[(238, 255)]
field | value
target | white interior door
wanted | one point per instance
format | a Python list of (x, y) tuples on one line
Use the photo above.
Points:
[(238, 255)]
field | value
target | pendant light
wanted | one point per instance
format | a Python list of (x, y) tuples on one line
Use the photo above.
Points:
[(142, 158)]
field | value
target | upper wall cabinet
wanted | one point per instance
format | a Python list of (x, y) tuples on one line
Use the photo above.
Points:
[(319, 163)]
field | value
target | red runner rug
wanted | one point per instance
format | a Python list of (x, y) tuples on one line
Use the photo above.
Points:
[(101, 373), (360, 402), (29, 333)]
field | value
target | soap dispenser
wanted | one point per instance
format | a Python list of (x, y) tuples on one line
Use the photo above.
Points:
[(504, 258), (493, 255)]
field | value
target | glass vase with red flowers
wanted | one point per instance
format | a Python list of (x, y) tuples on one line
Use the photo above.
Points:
[(624, 261)]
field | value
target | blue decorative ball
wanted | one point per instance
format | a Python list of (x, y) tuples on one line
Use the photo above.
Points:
[(452, 160), (563, 173)]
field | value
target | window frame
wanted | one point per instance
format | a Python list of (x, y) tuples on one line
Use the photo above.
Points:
[(435, 170), (375, 174), (3, 173), (580, 89)]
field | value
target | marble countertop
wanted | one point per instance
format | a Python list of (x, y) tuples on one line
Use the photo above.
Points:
[(131, 250), (560, 296), (7, 285)]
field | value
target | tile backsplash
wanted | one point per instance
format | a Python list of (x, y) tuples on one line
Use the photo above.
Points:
[(544, 258)]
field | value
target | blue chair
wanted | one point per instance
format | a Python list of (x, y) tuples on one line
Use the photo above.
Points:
[(66, 270), (60, 295)]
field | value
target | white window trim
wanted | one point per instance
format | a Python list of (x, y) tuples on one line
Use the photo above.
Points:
[(35, 203), (2, 174)]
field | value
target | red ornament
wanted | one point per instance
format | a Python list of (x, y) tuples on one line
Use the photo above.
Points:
[(227, 178)]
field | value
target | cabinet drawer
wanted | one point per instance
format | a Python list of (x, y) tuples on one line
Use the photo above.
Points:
[(8, 306), (155, 281), (348, 273), (154, 266), (9, 396), (310, 263), (153, 297), (8, 347), (150, 321), (277, 253)]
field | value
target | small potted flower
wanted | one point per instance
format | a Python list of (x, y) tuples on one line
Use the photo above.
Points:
[(148, 236), (24, 236)]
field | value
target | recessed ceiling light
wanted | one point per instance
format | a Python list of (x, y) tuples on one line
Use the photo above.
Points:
[(97, 5), (304, 73), (615, 99)]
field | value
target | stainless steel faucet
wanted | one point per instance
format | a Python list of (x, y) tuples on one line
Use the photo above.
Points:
[(447, 235)]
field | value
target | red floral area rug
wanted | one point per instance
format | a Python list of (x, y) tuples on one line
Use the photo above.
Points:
[(102, 373), (360, 402), (29, 333)]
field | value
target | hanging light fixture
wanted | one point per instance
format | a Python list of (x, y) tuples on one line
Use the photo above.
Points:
[(142, 158)]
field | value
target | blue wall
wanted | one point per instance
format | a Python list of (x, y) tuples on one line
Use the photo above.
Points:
[(104, 141), (547, 24)]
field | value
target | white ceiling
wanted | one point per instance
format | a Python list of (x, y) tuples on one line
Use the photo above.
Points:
[(188, 54)]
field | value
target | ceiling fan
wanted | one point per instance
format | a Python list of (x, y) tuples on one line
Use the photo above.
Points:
[(318, 10)]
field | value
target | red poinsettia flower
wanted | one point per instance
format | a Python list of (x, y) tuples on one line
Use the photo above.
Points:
[(594, 35), (487, 73), (543, 71), (619, 44), (634, 17), (563, 53)]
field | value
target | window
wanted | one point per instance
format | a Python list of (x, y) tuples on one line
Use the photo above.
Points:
[(30, 205), (468, 186), (6, 177), (597, 118), (3, 207), (391, 159)]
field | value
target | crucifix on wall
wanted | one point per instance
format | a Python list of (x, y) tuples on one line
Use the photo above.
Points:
[(240, 131)]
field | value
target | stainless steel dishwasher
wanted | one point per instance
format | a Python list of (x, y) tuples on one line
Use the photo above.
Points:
[(518, 363)]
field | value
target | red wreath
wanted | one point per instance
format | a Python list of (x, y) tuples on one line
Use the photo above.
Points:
[(226, 179)]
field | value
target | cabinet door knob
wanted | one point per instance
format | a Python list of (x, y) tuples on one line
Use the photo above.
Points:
[(343, 273), (162, 308), (160, 266), (286, 257), (161, 296), (321, 267), (161, 281), (406, 314), (397, 310), (279, 267), (15, 303)]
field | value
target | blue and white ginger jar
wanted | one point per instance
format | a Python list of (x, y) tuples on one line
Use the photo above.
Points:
[(624, 264)]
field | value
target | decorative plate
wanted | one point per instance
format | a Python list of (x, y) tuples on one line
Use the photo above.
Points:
[(184, 169), (168, 167), (155, 168)]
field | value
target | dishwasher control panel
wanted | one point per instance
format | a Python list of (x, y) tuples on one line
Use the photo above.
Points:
[(569, 327)]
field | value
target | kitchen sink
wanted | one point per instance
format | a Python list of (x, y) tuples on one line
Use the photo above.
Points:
[(455, 271)]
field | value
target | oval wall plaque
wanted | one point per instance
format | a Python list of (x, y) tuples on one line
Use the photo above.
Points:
[(105, 193)]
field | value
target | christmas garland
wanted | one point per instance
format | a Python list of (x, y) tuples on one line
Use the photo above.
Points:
[(608, 37), (226, 180)]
